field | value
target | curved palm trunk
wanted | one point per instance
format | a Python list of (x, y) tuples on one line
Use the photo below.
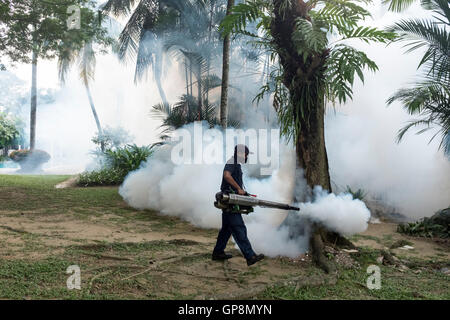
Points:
[(33, 100), (158, 74), (225, 74), (200, 91), (301, 79), (94, 112)]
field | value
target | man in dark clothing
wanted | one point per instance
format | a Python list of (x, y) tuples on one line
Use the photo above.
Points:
[(232, 222)]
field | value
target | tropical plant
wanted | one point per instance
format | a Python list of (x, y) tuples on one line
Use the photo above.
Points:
[(430, 97), (128, 158), (359, 194), (116, 165), (86, 60), (8, 132), (307, 41), (187, 111), (112, 138), (38, 28), (225, 72), (436, 226)]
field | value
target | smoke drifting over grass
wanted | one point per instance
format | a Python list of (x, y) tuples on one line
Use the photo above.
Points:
[(187, 191)]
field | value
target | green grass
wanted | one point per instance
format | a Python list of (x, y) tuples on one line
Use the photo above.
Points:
[(33, 270), (395, 285)]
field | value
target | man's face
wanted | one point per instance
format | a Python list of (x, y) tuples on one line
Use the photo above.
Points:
[(242, 157)]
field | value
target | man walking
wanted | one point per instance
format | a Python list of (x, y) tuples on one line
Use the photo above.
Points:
[(232, 222)]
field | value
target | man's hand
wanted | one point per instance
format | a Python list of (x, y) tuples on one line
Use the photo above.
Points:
[(230, 180)]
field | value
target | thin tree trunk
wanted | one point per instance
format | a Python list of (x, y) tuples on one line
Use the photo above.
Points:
[(158, 68), (199, 88), (225, 74), (190, 77), (187, 76), (209, 52), (94, 112), (33, 100)]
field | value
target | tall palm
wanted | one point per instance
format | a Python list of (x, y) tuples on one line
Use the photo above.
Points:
[(311, 70), (86, 59), (430, 97), (143, 36), (225, 73)]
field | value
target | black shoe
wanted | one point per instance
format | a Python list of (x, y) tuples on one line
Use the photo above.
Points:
[(255, 259), (221, 256)]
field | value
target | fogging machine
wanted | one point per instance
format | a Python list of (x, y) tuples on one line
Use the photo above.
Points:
[(244, 204)]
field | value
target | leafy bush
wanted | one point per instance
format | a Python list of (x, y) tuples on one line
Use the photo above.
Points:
[(128, 158), (359, 194), (112, 138), (435, 226), (118, 163), (103, 177), (8, 131)]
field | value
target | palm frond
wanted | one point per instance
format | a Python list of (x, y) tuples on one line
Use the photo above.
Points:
[(118, 7)]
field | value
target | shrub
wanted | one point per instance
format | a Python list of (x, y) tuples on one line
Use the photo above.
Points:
[(128, 158), (435, 226), (359, 194), (118, 163), (103, 177)]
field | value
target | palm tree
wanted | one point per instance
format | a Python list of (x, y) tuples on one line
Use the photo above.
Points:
[(187, 111), (143, 36), (312, 69), (225, 73), (430, 97), (86, 66)]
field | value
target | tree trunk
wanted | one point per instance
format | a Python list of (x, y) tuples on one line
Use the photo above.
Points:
[(94, 112), (304, 78), (158, 74), (225, 73), (187, 76), (33, 100), (200, 91)]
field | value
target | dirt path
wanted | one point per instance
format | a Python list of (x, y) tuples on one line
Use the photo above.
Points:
[(127, 253), (384, 235)]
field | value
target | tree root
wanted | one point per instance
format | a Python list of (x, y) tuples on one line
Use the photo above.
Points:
[(317, 250)]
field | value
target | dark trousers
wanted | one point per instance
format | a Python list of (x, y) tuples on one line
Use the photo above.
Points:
[(233, 224)]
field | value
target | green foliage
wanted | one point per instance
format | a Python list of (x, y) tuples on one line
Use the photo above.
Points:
[(430, 97), (128, 158), (103, 177), (187, 111), (424, 228), (117, 164), (112, 138), (41, 26), (359, 194), (8, 131), (329, 69), (436, 226)]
